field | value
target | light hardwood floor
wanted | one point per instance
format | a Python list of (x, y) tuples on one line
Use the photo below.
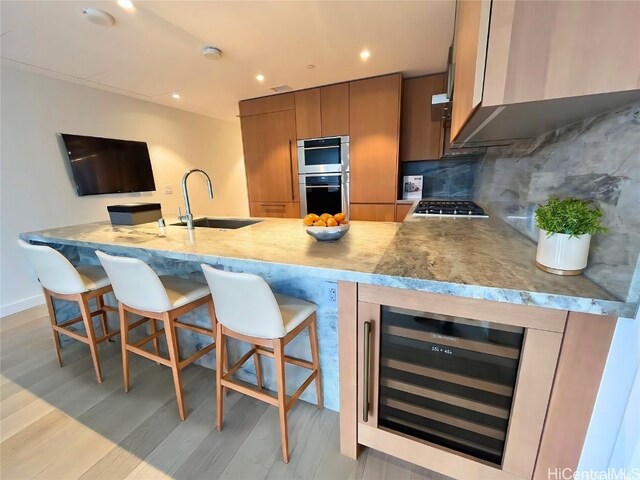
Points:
[(58, 423)]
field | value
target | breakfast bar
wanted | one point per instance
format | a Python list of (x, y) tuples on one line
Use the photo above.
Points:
[(462, 270)]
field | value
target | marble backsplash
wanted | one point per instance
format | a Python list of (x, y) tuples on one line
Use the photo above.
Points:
[(598, 159)]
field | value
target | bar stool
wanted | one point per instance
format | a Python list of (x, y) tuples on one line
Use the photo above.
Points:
[(156, 298), (60, 279), (249, 311)]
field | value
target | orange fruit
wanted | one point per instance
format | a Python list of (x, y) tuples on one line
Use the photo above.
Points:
[(325, 216), (314, 216), (340, 216), (344, 222), (319, 223), (308, 220), (332, 222)]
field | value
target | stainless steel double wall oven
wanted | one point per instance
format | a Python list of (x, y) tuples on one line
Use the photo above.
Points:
[(323, 168)]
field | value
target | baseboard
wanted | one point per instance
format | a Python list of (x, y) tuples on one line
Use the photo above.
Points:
[(20, 305)]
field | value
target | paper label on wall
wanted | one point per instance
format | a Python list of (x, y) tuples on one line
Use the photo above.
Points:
[(412, 187)]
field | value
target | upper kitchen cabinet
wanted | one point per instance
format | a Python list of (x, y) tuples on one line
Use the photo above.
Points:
[(273, 103), (322, 112), (335, 110), (374, 130), (421, 132), (269, 141), (523, 68)]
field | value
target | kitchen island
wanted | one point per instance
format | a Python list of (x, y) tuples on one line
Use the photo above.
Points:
[(472, 258)]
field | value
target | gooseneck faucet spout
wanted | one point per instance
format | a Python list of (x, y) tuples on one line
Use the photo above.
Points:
[(188, 216)]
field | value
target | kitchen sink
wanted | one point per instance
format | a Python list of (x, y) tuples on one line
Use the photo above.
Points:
[(223, 223)]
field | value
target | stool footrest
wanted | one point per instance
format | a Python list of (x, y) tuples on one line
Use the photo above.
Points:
[(70, 333), (252, 392), (194, 328), (192, 358), (292, 360), (292, 400), (150, 356), (139, 343)]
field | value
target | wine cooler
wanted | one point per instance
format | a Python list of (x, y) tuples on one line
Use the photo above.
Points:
[(448, 380), (454, 383)]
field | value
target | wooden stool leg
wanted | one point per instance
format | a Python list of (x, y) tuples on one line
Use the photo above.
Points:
[(124, 340), (220, 368), (313, 340), (278, 351), (156, 341), (91, 334), (256, 361), (103, 315), (52, 317), (172, 345)]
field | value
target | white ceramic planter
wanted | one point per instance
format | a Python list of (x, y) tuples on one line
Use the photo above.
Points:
[(562, 254)]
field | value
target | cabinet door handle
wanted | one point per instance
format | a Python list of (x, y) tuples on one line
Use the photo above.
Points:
[(367, 372), (291, 171)]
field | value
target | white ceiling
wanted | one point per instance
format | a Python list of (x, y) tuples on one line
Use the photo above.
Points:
[(154, 50)]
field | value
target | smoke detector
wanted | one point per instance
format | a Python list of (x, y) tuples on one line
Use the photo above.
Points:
[(99, 17), (211, 52)]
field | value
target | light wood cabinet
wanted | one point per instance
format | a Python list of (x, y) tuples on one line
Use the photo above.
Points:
[(421, 135), (308, 114), (374, 127), (334, 101), (402, 210), (470, 49), (275, 209), (270, 156), (373, 212), (273, 103), (322, 112), (540, 66)]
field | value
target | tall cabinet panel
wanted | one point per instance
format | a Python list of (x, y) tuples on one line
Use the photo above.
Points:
[(374, 126), (335, 109), (270, 157), (308, 119)]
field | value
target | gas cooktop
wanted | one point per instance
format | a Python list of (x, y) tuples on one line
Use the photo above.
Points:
[(449, 208)]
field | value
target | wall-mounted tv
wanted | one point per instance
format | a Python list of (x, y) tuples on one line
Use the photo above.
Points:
[(105, 165)]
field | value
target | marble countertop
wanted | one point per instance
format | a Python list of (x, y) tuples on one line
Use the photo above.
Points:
[(476, 258)]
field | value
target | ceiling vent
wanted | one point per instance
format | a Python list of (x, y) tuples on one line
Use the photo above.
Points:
[(281, 88)]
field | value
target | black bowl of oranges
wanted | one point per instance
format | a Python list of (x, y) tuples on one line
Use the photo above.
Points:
[(327, 227)]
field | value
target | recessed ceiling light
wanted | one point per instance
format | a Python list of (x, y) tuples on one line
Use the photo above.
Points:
[(311, 67), (126, 4), (260, 77), (364, 55), (99, 17), (176, 96)]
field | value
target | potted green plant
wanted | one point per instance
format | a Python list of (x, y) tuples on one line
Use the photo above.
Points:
[(566, 226)]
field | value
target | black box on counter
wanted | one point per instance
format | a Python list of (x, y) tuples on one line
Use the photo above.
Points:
[(134, 213)]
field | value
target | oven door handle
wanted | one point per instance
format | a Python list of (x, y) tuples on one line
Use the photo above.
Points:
[(323, 186), (367, 371)]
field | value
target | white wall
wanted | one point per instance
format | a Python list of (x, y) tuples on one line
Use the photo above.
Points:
[(37, 192)]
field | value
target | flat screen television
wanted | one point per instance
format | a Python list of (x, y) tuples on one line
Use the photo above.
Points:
[(106, 165)]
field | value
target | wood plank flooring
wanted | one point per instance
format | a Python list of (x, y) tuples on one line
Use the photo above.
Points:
[(58, 423)]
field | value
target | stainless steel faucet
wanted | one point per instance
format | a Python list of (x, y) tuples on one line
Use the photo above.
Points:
[(188, 216)]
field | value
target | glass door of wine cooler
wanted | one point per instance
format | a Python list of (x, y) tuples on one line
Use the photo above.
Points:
[(447, 380)]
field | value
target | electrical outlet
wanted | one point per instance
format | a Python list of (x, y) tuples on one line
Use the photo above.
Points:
[(332, 294), (168, 189)]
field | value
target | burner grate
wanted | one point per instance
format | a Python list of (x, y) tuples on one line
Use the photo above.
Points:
[(461, 208)]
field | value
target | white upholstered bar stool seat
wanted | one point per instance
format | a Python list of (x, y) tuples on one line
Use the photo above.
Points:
[(247, 310), (141, 291), (60, 279)]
